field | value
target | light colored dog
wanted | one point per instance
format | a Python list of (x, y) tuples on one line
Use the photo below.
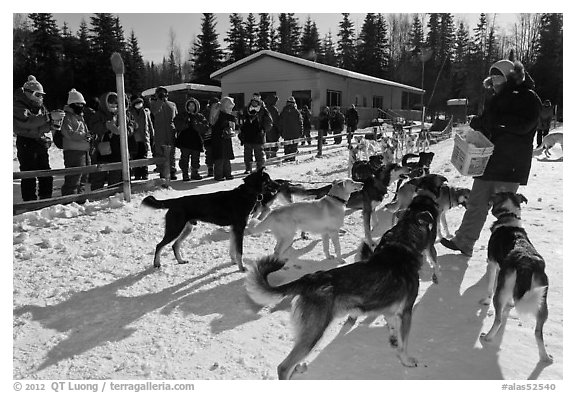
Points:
[(548, 142), (423, 141), (324, 216)]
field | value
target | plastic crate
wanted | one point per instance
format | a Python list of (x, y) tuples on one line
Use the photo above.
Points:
[(471, 153)]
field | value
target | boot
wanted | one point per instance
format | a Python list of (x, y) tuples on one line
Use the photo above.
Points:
[(248, 169), (210, 171), (195, 175)]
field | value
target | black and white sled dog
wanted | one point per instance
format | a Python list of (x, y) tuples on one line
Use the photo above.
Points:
[(386, 283), (516, 269)]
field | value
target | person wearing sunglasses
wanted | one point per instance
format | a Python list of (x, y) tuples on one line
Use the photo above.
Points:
[(31, 124), (509, 120)]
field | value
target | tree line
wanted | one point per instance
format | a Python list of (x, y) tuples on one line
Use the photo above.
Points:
[(432, 51)]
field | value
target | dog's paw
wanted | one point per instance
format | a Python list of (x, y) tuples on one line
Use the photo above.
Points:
[(182, 262), (434, 278), (393, 341)]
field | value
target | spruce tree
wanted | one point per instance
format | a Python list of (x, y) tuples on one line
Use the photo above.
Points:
[(251, 33), (548, 69), (236, 39), (346, 48), (264, 28), (310, 44), (207, 52)]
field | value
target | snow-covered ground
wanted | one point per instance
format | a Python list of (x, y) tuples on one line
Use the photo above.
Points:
[(87, 303)]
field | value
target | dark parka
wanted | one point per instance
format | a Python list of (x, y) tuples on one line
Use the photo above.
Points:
[(222, 143), (291, 124), (273, 134), (509, 121), (195, 126), (255, 127)]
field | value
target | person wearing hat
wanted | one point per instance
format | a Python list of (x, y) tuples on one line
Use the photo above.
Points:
[(291, 126), (337, 124), (273, 134), (257, 122), (104, 126), (143, 134), (76, 142), (306, 123), (163, 114), (31, 124), (545, 121), (222, 132), (189, 140), (509, 120), (351, 122)]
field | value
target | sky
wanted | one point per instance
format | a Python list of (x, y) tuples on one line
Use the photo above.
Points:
[(153, 29)]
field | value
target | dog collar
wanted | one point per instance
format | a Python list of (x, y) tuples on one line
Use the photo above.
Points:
[(506, 215), (338, 198)]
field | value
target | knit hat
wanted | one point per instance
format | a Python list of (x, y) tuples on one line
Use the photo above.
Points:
[(161, 88), (75, 97), (291, 99), (136, 99), (33, 85)]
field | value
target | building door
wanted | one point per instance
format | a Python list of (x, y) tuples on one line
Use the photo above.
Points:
[(303, 97)]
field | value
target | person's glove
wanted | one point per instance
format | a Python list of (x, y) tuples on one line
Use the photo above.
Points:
[(111, 126)]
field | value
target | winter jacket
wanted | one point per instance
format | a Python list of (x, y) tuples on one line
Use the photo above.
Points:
[(221, 142), (196, 125), (254, 128), (75, 132), (352, 117), (306, 119), (163, 114), (99, 126), (273, 135), (31, 121), (509, 121), (324, 120), (291, 126), (337, 121), (145, 130)]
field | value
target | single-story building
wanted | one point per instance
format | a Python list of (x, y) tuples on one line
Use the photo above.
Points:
[(458, 109), (316, 85)]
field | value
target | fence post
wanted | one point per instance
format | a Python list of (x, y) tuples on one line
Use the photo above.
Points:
[(320, 142), (118, 68)]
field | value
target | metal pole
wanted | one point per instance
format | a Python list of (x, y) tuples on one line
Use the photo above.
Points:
[(118, 68), (422, 96)]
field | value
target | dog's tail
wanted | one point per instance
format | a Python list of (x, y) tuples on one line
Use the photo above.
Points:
[(257, 286), (154, 203), (533, 298)]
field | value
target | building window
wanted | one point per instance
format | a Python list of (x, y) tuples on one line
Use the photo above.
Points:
[(377, 102), (238, 100), (411, 101), (303, 97), (333, 98), (364, 104)]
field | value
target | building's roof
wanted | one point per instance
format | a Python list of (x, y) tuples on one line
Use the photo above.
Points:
[(307, 63), (184, 86), (457, 101)]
